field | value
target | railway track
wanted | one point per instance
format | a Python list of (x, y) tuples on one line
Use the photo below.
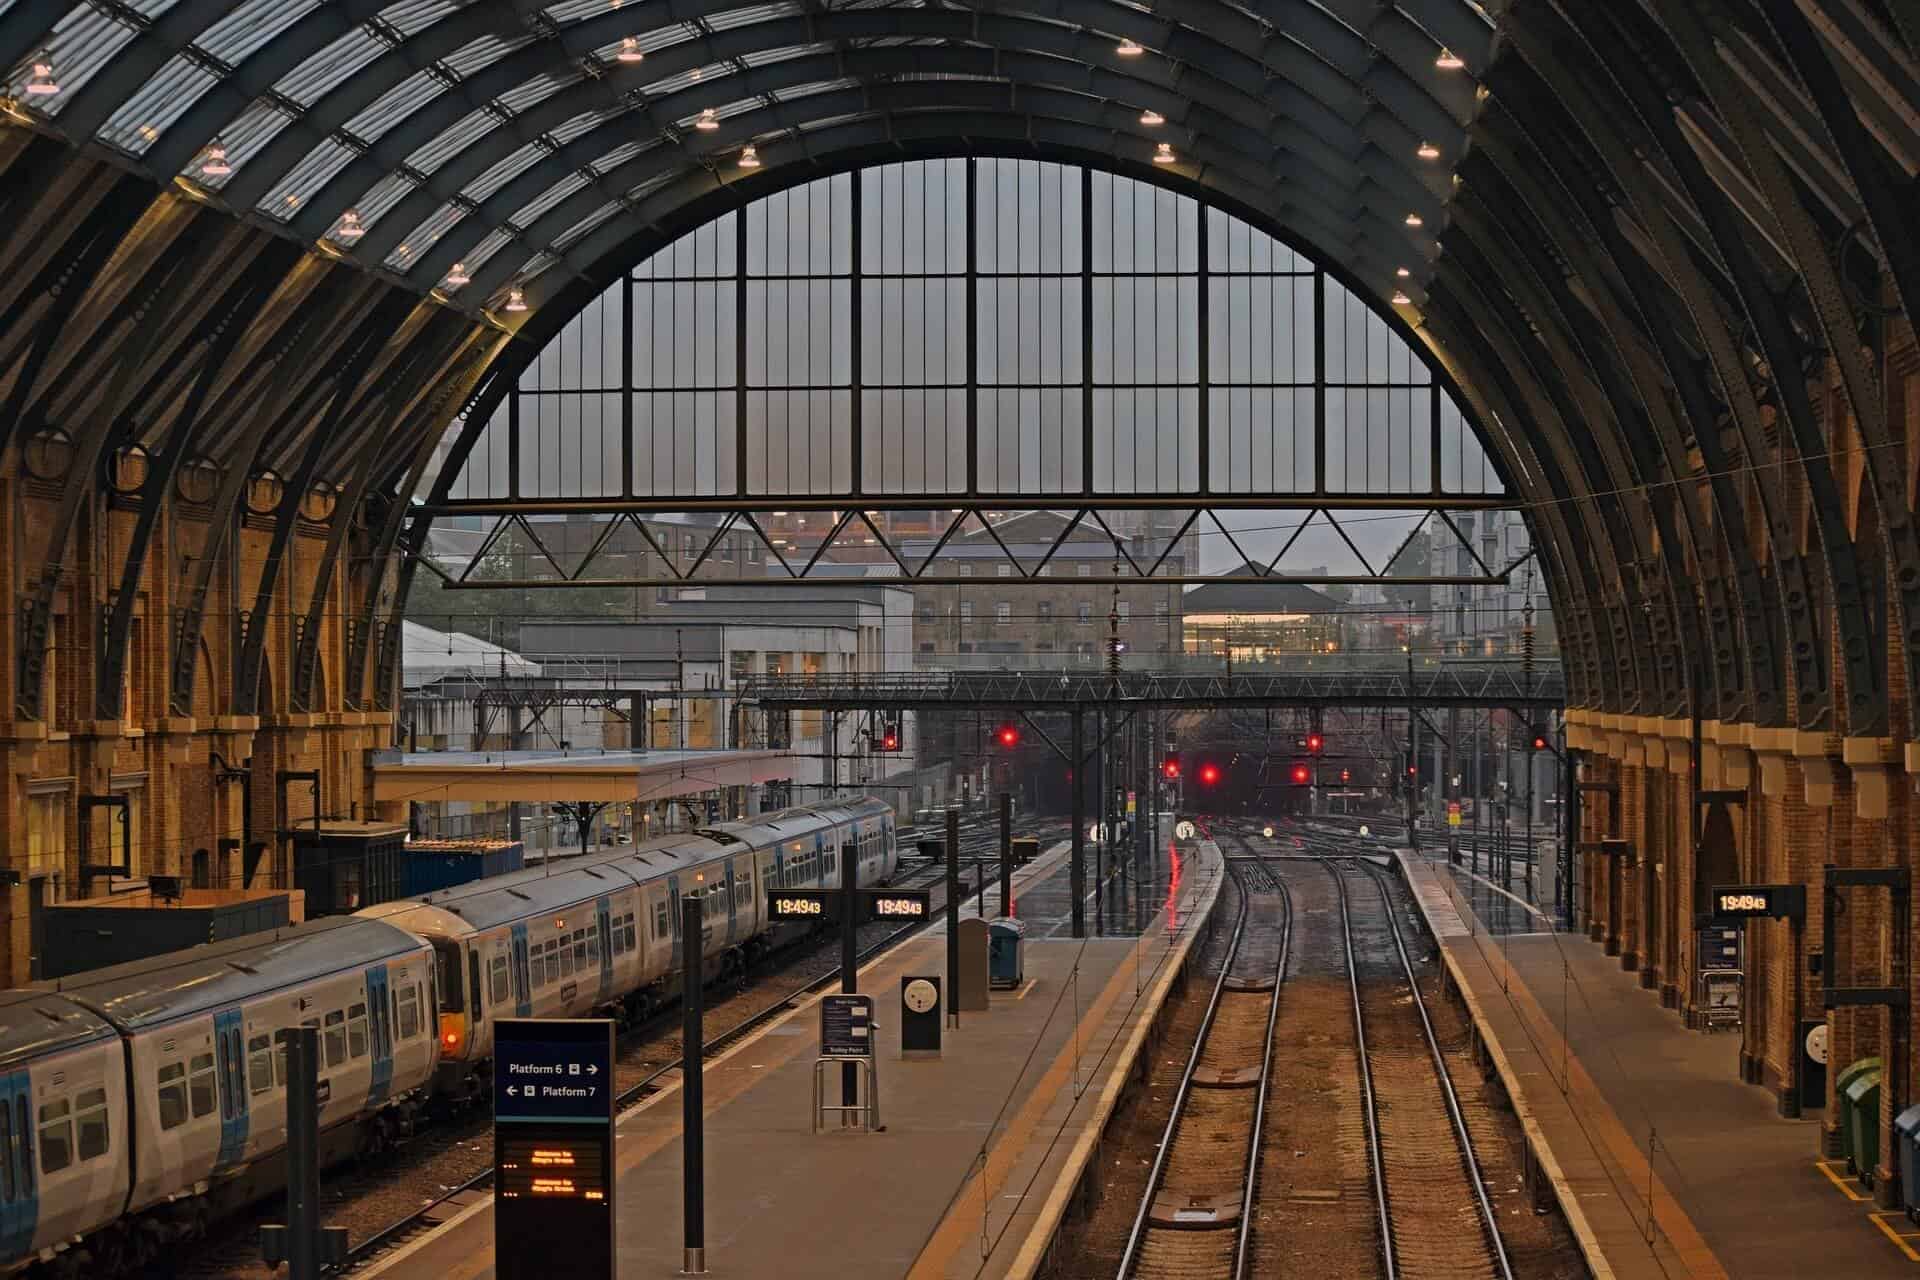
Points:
[(1194, 1218)]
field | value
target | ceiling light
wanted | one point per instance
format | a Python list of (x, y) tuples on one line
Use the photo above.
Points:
[(1428, 151), (42, 84), (1402, 272), (1151, 117), (1415, 220), (215, 164), (1448, 61), (749, 159), (707, 120), (630, 50), (349, 229), (1164, 155), (516, 299), (1128, 49), (459, 274), (1400, 298)]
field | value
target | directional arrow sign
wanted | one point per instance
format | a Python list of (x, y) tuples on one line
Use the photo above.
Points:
[(512, 1092), (541, 1069)]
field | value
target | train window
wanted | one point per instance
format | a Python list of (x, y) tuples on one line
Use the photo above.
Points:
[(90, 1117), (228, 1043), (200, 1084), (499, 979), (447, 962), (56, 1135), (565, 954), (406, 1012), (357, 1031), (661, 924), (593, 944), (616, 935), (335, 1035), (173, 1095), (631, 932), (579, 948), (260, 1063)]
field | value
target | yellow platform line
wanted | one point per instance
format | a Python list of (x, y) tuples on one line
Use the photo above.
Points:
[(1899, 1241), (1841, 1184)]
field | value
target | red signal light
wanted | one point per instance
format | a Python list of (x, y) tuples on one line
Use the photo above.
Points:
[(1413, 770), (1539, 742), (1209, 774), (1009, 736), (1346, 776), (1315, 742), (1300, 775), (1170, 767)]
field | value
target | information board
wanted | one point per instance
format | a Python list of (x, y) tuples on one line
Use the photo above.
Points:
[(846, 1026), (553, 1159), (1719, 947)]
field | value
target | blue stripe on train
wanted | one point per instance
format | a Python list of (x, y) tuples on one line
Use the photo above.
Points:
[(522, 967), (603, 908), (229, 1055), (19, 1212), (380, 1031)]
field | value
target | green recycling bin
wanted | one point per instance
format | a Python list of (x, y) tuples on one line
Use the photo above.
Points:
[(1844, 1103), (1863, 1123)]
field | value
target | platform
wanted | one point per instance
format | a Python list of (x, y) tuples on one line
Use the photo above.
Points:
[(969, 1170), (1735, 1190)]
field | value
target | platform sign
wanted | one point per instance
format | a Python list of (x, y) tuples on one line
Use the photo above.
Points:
[(846, 1026), (553, 1153), (822, 906), (1718, 948)]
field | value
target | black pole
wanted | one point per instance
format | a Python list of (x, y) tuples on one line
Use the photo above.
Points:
[(1564, 886), (303, 1154), (1100, 819), (849, 960), (1077, 873), (1006, 853), (953, 918), (693, 1145)]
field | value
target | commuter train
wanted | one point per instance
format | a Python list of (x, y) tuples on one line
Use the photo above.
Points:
[(140, 1102)]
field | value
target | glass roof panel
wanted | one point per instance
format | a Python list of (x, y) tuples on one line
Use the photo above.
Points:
[(538, 89), (527, 213), (395, 105), (424, 236), (252, 24), (504, 171), (751, 14), (494, 242), (567, 130), (414, 16), (306, 83), (767, 57), (573, 234), (258, 125), (143, 117), (469, 128), (315, 168), (83, 42), (382, 196), (622, 153), (486, 51)]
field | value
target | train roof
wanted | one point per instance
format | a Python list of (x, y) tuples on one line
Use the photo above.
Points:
[(216, 975), (35, 1023)]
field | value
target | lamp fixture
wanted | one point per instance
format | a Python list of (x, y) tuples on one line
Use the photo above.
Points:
[(1400, 298), (1402, 272), (1164, 155), (1427, 151), (215, 164), (459, 275), (1449, 61), (630, 50), (1128, 49), (749, 159), (349, 229), (707, 120), (1152, 117), (516, 299), (1415, 220), (42, 84)]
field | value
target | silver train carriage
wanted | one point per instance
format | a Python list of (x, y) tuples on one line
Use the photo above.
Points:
[(602, 931), (138, 1102)]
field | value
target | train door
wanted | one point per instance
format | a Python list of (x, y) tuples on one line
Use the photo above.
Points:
[(230, 1080), (603, 909), (19, 1196), (673, 922), (732, 910), (522, 974), (379, 1033)]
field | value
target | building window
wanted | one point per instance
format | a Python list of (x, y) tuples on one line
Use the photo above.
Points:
[(963, 570), (1003, 613), (1085, 612), (1044, 571), (1084, 569), (1003, 571), (1126, 610), (47, 832), (1046, 611), (1161, 609), (108, 836), (926, 646), (926, 613), (966, 611)]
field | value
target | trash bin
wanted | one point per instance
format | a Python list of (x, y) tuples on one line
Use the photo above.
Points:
[(1906, 1157), (1863, 1123), (1843, 1103), (1025, 849), (1005, 965)]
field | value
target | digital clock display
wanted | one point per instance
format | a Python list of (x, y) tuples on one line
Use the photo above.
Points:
[(1731, 903), (896, 907), (1759, 901), (799, 907)]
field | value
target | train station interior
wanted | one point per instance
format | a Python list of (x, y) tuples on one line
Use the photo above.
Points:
[(1371, 543)]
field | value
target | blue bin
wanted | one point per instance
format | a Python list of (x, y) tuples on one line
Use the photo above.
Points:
[(1006, 966)]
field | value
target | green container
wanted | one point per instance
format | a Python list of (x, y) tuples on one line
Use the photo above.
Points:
[(1863, 1123), (1852, 1072)]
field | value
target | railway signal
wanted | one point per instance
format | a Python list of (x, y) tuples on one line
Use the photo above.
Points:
[(1008, 736), (890, 737), (1346, 775), (1302, 775), (1170, 767), (1539, 740), (1315, 742), (1209, 774)]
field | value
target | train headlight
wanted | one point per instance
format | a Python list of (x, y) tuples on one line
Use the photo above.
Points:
[(453, 1034)]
